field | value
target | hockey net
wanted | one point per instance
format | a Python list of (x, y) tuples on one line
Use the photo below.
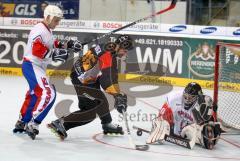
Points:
[(227, 84)]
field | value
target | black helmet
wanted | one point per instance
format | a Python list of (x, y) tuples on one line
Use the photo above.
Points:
[(190, 94), (125, 42)]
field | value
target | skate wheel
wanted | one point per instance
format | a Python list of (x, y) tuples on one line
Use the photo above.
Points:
[(15, 130), (139, 133), (113, 134), (18, 131), (105, 133), (55, 132), (33, 137)]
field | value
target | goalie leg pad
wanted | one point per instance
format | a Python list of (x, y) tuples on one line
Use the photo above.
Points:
[(160, 128), (190, 132), (210, 135)]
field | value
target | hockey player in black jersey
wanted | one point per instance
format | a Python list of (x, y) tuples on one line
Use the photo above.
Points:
[(96, 68)]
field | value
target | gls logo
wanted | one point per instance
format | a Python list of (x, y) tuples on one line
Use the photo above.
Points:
[(237, 32), (208, 30), (26, 9), (178, 28)]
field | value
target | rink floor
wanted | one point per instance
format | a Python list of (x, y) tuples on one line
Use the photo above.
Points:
[(87, 143)]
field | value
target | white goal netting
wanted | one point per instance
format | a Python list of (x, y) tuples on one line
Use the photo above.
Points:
[(227, 84)]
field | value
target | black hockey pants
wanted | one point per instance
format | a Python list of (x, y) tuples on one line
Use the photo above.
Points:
[(92, 102)]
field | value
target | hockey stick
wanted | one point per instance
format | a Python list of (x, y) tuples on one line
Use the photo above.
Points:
[(171, 6), (228, 130), (137, 147), (169, 138)]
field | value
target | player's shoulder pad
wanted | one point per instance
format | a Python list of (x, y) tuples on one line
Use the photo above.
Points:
[(39, 29), (98, 49)]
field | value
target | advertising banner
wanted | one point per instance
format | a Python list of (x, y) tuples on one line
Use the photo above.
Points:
[(30, 22), (210, 30), (178, 57), (233, 31), (34, 8), (177, 29), (172, 30)]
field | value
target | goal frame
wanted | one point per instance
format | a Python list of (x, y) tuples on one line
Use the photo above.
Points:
[(216, 73)]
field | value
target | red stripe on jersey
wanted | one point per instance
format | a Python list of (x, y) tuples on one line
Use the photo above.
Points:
[(105, 60), (39, 49)]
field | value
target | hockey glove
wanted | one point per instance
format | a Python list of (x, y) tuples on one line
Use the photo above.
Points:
[(77, 66), (120, 102), (75, 45), (60, 55)]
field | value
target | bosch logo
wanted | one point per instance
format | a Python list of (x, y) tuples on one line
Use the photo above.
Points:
[(111, 25), (178, 28), (237, 32), (208, 30)]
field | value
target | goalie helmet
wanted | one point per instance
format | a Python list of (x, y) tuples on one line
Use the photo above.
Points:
[(53, 11), (190, 94), (125, 42)]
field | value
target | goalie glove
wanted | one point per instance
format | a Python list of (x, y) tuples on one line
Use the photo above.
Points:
[(60, 55), (120, 102), (160, 128), (203, 112), (75, 45)]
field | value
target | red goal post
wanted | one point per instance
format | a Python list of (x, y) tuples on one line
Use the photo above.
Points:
[(227, 83)]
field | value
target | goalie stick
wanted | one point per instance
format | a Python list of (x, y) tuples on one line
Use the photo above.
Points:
[(137, 147), (169, 138), (171, 6)]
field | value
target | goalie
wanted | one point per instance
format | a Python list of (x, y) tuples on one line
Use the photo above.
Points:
[(188, 115)]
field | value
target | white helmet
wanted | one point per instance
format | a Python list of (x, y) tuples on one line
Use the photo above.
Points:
[(52, 11)]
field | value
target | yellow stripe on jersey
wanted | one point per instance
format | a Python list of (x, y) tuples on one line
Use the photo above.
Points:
[(89, 60)]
